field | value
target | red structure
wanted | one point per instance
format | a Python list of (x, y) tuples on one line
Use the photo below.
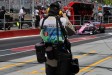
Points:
[(79, 10)]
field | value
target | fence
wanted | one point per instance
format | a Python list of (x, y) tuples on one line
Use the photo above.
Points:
[(80, 20), (12, 21), (110, 19)]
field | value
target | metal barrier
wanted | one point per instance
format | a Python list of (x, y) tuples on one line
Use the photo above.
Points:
[(79, 20), (28, 23), (110, 19), (86, 18), (12, 21), (76, 19)]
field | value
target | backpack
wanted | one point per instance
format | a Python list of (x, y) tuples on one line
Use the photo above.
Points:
[(53, 35)]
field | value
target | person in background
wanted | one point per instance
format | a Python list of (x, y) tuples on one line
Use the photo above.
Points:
[(37, 16), (100, 14), (43, 11), (11, 10), (2, 12), (21, 17), (68, 13), (106, 15), (2, 15), (107, 12)]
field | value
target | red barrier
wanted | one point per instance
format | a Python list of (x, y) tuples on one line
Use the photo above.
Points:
[(15, 33), (107, 25)]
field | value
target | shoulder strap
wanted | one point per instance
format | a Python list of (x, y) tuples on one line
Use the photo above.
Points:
[(63, 32), (43, 21), (62, 28), (57, 29)]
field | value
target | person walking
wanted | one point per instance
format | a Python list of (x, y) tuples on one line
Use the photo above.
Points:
[(53, 36), (21, 17), (37, 16)]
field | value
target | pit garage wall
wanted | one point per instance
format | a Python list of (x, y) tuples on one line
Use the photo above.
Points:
[(16, 33)]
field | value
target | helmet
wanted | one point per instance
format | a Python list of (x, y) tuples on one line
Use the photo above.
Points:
[(55, 4), (54, 9)]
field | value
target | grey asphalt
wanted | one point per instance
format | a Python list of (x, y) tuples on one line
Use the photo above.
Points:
[(95, 58)]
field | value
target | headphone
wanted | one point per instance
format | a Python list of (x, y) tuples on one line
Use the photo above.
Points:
[(60, 12)]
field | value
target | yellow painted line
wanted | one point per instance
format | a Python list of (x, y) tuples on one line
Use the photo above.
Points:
[(42, 69), (77, 57), (34, 72), (84, 54), (28, 61), (90, 71), (94, 64), (18, 64), (31, 72)]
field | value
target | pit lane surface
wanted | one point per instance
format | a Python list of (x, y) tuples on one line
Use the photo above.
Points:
[(95, 57)]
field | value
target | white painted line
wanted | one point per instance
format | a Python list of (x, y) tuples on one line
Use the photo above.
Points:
[(5, 50), (33, 49), (18, 37), (23, 47), (15, 48), (15, 53), (110, 33), (28, 50)]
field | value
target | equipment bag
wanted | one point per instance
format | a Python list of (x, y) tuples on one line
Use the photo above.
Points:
[(66, 64), (75, 66), (70, 32), (40, 52)]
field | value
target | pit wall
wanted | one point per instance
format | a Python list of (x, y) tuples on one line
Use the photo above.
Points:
[(28, 32)]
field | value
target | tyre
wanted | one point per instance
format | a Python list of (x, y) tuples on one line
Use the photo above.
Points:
[(92, 32), (102, 29)]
